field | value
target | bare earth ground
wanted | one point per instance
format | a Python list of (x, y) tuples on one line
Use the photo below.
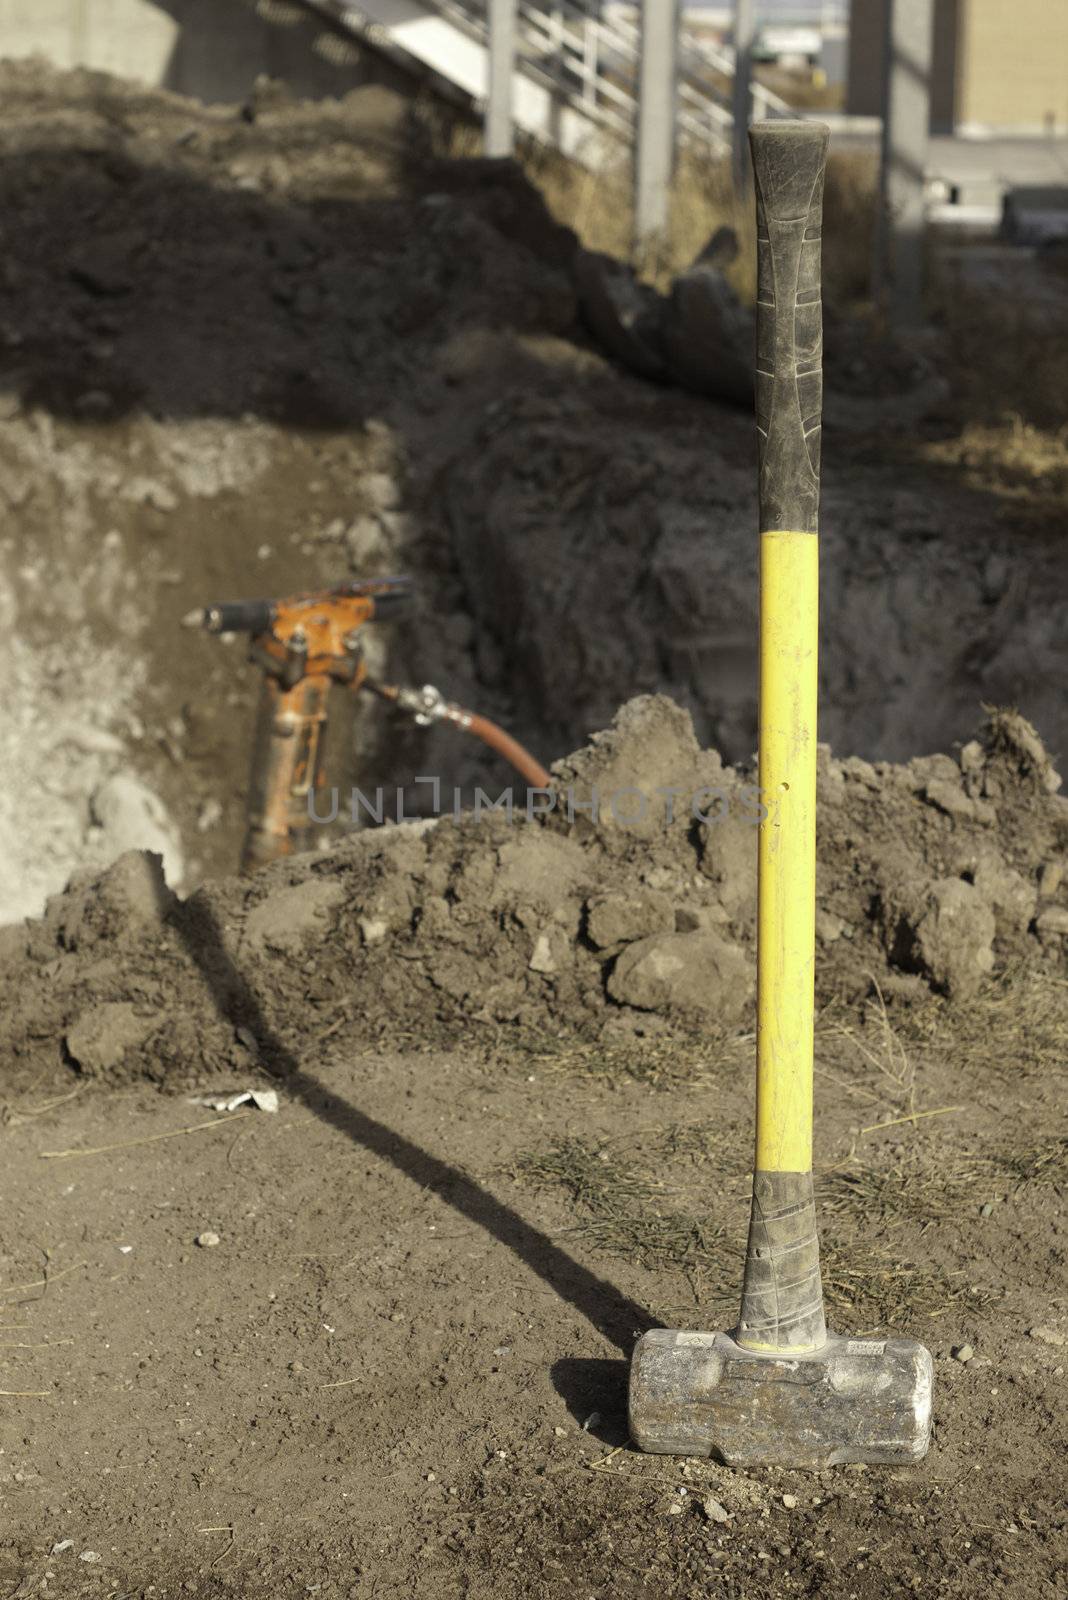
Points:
[(401, 1371)]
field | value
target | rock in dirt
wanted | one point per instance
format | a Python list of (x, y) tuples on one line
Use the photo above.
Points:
[(1053, 1336), (1050, 878), (1010, 894), (289, 916), (102, 1035), (621, 312), (713, 1510), (729, 859), (121, 903), (551, 952), (207, 1240), (949, 797), (947, 934), (684, 972), (128, 815), (640, 775), (621, 918), (698, 336)]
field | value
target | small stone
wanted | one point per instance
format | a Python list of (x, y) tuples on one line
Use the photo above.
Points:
[(1050, 877), (623, 918), (713, 1510), (372, 929), (209, 814), (1054, 920), (789, 1501), (207, 1240), (431, 1477), (829, 927), (948, 797), (1052, 1336), (986, 1210), (963, 1353), (296, 1366), (396, 1316), (675, 1510), (695, 972), (541, 959), (102, 1036), (90, 1556), (560, 1432)]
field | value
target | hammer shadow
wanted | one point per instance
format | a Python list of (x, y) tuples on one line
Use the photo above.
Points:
[(616, 1317), (594, 1394)]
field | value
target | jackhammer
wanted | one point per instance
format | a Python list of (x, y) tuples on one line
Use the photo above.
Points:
[(305, 645)]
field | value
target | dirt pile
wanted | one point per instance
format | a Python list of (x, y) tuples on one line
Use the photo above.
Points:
[(625, 910)]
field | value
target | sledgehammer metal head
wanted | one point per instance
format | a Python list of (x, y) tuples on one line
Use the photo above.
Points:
[(702, 1394), (779, 1390)]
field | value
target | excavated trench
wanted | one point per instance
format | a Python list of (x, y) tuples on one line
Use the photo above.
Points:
[(248, 354)]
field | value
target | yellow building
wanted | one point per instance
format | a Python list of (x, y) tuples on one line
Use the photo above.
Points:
[(997, 64)]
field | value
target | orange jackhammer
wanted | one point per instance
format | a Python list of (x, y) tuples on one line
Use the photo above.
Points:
[(305, 645)]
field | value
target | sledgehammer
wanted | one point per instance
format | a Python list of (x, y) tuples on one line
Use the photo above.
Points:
[(780, 1390)]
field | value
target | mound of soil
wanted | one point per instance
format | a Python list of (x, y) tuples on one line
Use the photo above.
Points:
[(626, 909)]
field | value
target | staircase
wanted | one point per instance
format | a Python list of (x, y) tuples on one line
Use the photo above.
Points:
[(576, 75)]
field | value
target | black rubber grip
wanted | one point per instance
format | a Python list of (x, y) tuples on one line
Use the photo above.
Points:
[(789, 161), (390, 603), (239, 616)]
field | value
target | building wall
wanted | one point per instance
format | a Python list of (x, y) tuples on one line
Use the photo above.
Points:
[(1013, 64), (996, 64), (211, 49)]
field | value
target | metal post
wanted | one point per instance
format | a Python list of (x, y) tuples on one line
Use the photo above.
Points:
[(906, 120), (498, 134), (654, 157), (740, 93), (589, 61)]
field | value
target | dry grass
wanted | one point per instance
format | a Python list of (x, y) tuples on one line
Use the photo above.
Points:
[(660, 1061), (1017, 1025), (598, 206), (625, 1207), (915, 1190), (1011, 457)]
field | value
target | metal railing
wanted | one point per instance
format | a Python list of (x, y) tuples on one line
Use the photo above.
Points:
[(590, 59)]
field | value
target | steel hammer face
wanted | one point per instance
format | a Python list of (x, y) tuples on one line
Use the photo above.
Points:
[(701, 1394)]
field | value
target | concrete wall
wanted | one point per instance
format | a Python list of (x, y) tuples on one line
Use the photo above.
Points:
[(212, 49), (996, 64)]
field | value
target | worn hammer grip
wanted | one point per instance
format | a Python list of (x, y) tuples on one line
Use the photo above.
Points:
[(789, 161)]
